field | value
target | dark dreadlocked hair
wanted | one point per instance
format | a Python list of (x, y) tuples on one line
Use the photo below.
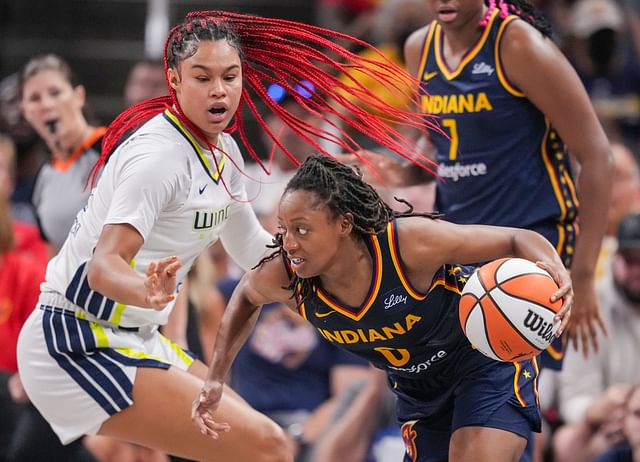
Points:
[(289, 53), (521, 8), (341, 190)]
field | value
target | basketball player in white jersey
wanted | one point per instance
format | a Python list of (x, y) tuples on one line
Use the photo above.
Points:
[(91, 357)]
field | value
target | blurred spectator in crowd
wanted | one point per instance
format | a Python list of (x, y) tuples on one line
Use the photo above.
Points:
[(608, 66), (52, 102), (352, 17), (625, 199), (145, 80), (25, 235), (629, 449), (593, 391), (31, 151)]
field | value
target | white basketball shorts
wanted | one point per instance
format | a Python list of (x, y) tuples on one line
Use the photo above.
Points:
[(78, 372)]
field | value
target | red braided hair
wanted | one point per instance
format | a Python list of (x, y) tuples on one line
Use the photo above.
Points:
[(287, 53), (521, 8)]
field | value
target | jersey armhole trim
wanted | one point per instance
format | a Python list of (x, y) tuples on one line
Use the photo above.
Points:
[(502, 76), (426, 46)]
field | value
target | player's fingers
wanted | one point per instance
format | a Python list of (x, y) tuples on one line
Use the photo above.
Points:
[(164, 264), (566, 317), (573, 337), (602, 325), (151, 269), (594, 338), (593, 332), (567, 302), (152, 281), (584, 339), (213, 428), (173, 268)]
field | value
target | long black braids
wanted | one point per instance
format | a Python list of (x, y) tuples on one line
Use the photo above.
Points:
[(521, 8), (339, 188)]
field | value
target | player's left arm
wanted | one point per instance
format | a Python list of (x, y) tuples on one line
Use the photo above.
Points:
[(539, 69)]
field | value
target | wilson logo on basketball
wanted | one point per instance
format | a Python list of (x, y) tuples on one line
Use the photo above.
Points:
[(536, 324)]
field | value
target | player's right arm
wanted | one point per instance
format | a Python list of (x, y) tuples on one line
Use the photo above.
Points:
[(426, 245), (129, 222), (265, 284)]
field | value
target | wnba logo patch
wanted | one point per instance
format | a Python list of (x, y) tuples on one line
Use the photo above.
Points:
[(207, 219)]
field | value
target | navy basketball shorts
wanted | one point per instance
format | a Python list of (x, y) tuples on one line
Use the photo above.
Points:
[(496, 395)]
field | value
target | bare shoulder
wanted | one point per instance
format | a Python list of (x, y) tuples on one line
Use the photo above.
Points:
[(418, 239), (524, 47), (413, 48)]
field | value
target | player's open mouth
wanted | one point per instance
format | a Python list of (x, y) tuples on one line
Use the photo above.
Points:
[(296, 260), (447, 14), (217, 114)]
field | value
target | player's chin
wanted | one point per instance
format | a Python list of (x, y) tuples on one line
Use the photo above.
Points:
[(306, 271)]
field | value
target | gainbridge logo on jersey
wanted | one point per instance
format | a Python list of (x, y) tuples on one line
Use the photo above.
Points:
[(458, 170)]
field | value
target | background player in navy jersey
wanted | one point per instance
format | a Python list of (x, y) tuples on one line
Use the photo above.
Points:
[(512, 109), (378, 283)]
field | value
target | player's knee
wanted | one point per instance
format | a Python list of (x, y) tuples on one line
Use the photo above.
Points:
[(273, 444)]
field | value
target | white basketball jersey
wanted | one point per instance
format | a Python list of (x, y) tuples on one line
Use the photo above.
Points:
[(165, 185)]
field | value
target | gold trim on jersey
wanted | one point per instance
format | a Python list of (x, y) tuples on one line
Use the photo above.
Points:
[(563, 202), (215, 176), (501, 74), (437, 48), (395, 258), (425, 54)]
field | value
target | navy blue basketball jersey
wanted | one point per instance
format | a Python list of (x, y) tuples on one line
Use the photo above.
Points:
[(501, 162), (402, 329)]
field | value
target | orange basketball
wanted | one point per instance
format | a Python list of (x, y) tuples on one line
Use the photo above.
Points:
[(506, 312)]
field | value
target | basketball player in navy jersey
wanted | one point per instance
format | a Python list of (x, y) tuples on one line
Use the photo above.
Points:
[(512, 109), (379, 284)]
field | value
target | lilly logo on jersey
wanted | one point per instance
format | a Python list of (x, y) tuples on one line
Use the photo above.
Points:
[(393, 300), (482, 68), (207, 219)]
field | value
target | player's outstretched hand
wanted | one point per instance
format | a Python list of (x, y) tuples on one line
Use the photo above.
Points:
[(586, 318), (565, 292), (204, 408), (161, 282)]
